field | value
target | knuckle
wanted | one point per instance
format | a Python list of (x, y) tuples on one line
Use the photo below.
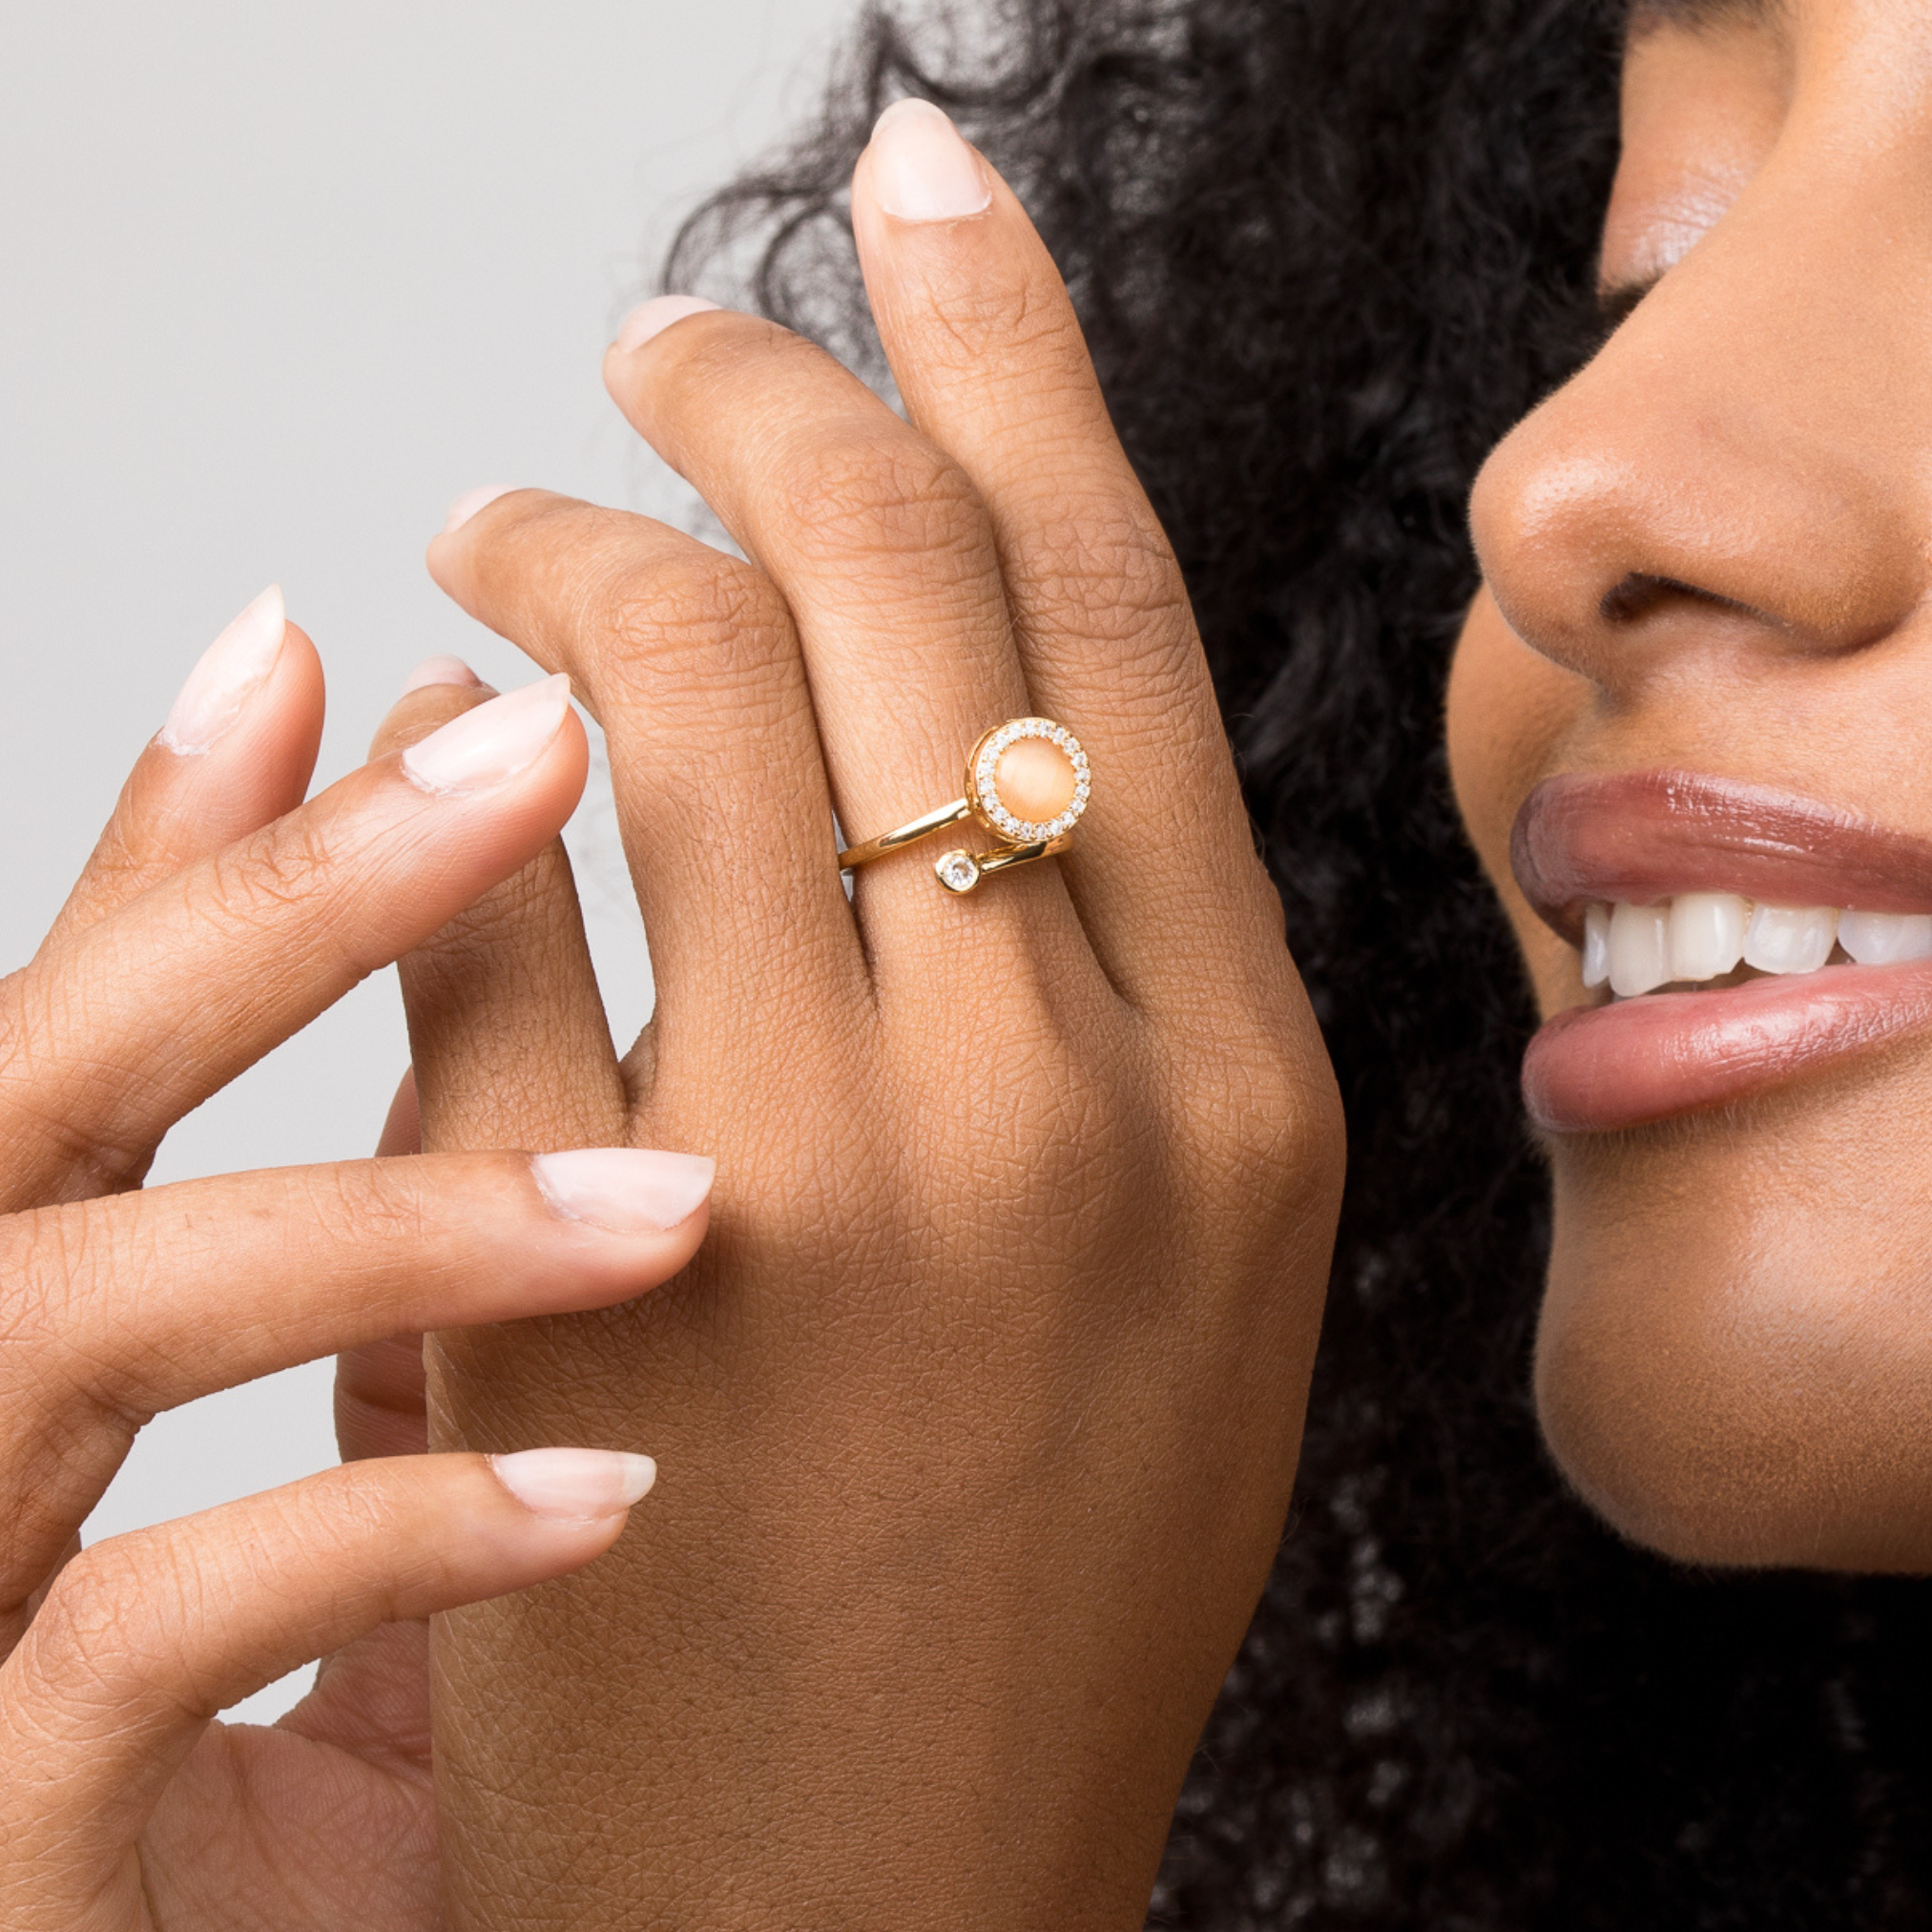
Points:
[(66, 1115), (880, 495), (88, 1622), (118, 1626), (707, 630), (44, 1258), (70, 1276), (680, 607), (1028, 330), (277, 868), (1267, 1123), (1049, 1131), (1106, 572)]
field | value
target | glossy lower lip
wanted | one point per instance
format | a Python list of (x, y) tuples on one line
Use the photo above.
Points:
[(1597, 1069)]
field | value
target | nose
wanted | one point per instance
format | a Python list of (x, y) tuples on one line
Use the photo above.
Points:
[(1742, 468)]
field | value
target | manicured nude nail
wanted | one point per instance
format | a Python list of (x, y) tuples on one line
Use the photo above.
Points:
[(440, 670), (923, 171), (626, 1190), (471, 501), (653, 318), (230, 672), (492, 743), (575, 1486)]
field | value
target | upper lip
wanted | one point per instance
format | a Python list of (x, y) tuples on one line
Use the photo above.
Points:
[(1641, 837)]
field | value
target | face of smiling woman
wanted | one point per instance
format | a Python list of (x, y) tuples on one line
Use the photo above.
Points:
[(1691, 731)]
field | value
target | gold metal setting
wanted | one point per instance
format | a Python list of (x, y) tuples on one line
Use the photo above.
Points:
[(1019, 841)]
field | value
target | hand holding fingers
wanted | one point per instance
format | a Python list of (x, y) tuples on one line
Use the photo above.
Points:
[(1061, 1249), (219, 914), (113, 1033), (144, 1638)]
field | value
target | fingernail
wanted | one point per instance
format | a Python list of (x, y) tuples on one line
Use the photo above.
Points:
[(471, 501), (575, 1486), (627, 1190), (438, 670), (492, 743), (923, 171), (653, 316), (229, 672)]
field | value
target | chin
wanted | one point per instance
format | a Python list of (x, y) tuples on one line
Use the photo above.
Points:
[(1734, 1364)]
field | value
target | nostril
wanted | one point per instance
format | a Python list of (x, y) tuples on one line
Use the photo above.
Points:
[(1636, 595)]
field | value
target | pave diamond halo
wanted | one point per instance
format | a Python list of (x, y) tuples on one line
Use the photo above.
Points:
[(1067, 779), (1027, 783)]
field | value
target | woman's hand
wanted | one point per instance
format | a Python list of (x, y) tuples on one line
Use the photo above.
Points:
[(986, 1394), (218, 915)]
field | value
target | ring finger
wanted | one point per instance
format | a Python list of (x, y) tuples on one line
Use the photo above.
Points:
[(884, 552)]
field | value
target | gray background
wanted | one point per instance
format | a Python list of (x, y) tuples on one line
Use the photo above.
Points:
[(279, 282)]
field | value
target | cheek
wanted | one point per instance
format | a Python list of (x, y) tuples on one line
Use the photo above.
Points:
[(1510, 714)]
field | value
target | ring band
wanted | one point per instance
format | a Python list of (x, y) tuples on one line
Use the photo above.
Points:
[(1027, 783)]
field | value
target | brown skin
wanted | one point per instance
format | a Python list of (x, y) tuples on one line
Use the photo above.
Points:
[(979, 1412), (1736, 1342), (219, 914)]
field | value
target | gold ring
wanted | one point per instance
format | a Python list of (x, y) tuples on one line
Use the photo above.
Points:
[(1027, 783)]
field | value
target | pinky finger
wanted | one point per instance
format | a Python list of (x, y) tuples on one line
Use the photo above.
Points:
[(144, 1638)]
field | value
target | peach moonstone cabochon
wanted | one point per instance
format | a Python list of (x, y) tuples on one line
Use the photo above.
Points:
[(1035, 780)]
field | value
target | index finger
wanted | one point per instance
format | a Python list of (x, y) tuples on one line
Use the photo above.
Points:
[(238, 751), (993, 365)]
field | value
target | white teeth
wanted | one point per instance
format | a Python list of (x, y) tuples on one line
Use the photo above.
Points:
[(1788, 939), (1702, 936), (1884, 937), (1639, 949), (1707, 934), (1595, 946)]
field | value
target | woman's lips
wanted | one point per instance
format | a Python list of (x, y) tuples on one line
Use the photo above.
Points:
[(1595, 1069), (1641, 837)]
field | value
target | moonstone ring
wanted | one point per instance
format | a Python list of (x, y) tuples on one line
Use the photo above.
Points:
[(1027, 783)]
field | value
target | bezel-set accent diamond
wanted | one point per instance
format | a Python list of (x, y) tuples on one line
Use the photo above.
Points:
[(958, 871), (983, 782)]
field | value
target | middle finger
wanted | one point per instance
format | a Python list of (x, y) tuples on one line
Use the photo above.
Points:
[(886, 557)]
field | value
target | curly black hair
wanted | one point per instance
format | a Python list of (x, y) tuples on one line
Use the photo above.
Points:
[(1326, 252)]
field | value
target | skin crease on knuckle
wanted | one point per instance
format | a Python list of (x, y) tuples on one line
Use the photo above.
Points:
[(856, 499), (1712, 547), (672, 619)]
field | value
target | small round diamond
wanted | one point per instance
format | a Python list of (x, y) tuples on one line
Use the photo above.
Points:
[(958, 871)]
